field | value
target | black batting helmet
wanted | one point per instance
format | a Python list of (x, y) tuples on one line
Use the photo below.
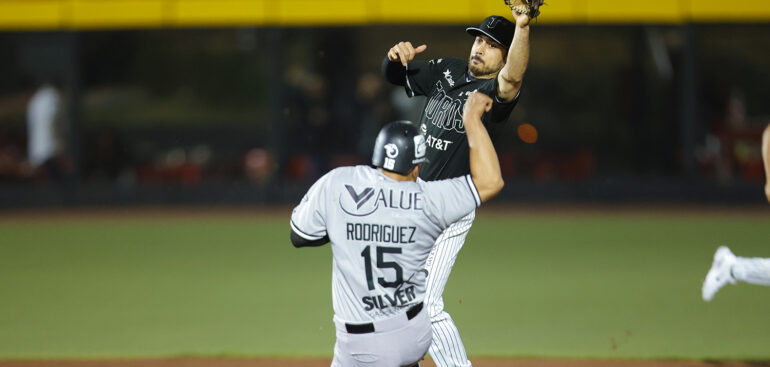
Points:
[(399, 147)]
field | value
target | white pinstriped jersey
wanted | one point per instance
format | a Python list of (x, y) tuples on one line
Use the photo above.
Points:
[(381, 233)]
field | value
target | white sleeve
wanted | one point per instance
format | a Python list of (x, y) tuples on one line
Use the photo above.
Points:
[(449, 200), (308, 219)]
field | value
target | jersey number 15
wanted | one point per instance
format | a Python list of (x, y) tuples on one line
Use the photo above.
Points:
[(382, 264)]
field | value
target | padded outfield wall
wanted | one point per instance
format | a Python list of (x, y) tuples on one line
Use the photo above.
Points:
[(90, 14)]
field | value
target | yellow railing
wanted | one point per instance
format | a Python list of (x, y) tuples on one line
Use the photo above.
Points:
[(109, 14)]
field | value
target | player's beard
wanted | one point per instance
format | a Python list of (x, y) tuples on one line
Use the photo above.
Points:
[(482, 70)]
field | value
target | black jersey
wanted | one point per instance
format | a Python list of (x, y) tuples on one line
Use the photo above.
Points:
[(447, 83)]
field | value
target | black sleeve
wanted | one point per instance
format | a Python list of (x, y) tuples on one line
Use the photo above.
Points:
[(500, 110), (393, 72), (298, 241)]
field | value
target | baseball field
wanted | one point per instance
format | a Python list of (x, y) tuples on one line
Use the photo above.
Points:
[(532, 286)]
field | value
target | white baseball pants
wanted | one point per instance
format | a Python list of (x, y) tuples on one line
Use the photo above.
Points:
[(395, 342), (447, 349)]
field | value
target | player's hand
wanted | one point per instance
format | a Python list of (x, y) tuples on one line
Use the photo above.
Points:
[(404, 52), (522, 20), (476, 105)]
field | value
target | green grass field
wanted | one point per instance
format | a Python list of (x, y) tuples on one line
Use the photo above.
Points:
[(597, 284)]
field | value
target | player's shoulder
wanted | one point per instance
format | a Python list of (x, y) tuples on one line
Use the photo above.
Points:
[(453, 62), (443, 193), (352, 172), (339, 178), (488, 86), (448, 62), (435, 187), (348, 170)]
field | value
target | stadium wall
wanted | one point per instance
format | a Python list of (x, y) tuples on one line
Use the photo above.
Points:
[(100, 14)]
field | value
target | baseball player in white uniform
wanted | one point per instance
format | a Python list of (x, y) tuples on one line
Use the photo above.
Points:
[(382, 225), (728, 268)]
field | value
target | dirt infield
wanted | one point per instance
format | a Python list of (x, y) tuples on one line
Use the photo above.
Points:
[(245, 362)]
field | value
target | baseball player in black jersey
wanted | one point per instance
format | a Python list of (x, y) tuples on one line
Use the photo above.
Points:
[(495, 67)]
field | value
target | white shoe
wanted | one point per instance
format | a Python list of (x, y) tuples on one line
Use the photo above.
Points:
[(720, 273)]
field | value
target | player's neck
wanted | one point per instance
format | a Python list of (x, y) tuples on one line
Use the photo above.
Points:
[(485, 76)]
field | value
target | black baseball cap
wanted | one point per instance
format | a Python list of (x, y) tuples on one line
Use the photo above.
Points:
[(497, 28)]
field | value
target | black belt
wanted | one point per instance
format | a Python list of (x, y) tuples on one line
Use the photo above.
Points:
[(369, 327)]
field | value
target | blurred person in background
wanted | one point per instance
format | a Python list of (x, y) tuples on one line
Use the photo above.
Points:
[(496, 65), (732, 149), (45, 133), (728, 268)]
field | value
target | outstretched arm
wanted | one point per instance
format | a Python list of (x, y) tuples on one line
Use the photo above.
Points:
[(485, 167), (510, 78), (766, 159)]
